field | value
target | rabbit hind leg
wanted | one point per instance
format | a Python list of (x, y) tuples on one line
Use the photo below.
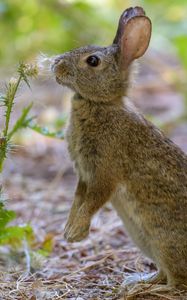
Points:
[(179, 281)]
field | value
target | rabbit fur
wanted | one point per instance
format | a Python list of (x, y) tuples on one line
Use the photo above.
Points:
[(120, 156)]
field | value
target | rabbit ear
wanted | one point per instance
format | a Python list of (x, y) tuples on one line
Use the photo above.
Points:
[(128, 14), (133, 34)]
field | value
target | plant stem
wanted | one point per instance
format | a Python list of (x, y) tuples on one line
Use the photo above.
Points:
[(9, 106), (4, 140), (2, 152)]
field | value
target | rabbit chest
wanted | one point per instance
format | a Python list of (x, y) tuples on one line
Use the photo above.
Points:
[(82, 147), (91, 137)]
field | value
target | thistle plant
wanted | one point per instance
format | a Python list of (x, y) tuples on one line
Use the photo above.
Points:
[(14, 235), (7, 100)]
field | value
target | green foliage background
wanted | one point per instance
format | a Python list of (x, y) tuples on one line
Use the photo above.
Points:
[(53, 26)]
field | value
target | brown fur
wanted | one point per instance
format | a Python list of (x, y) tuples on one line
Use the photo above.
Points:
[(121, 157)]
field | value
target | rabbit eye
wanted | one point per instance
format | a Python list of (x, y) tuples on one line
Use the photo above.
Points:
[(93, 61)]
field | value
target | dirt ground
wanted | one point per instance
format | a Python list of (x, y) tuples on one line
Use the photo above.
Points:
[(39, 181)]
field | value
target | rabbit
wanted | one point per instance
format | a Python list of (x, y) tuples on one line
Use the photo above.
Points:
[(121, 157)]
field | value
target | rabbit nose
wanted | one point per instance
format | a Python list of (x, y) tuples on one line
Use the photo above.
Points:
[(58, 59), (56, 62)]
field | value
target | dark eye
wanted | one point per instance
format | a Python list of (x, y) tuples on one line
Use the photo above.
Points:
[(93, 61)]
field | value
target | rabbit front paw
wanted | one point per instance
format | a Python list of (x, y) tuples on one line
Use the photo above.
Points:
[(77, 230)]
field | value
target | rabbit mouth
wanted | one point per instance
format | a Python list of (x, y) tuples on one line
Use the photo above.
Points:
[(60, 68), (61, 73), (65, 82)]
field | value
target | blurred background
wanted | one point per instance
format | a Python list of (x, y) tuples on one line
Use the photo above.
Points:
[(54, 26), (38, 177)]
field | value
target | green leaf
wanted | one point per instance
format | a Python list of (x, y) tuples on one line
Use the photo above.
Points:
[(21, 122), (180, 43), (5, 216), (45, 131), (14, 235), (47, 245)]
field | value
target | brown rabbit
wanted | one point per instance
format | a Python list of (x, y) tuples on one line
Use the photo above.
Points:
[(120, 156)]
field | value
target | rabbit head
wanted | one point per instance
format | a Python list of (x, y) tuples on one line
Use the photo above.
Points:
[(101, 73)]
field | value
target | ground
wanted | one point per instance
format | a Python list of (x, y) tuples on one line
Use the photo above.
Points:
[(40, 181)]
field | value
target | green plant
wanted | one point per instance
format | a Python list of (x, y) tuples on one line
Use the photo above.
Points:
[(14, 235), (7, 100)]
